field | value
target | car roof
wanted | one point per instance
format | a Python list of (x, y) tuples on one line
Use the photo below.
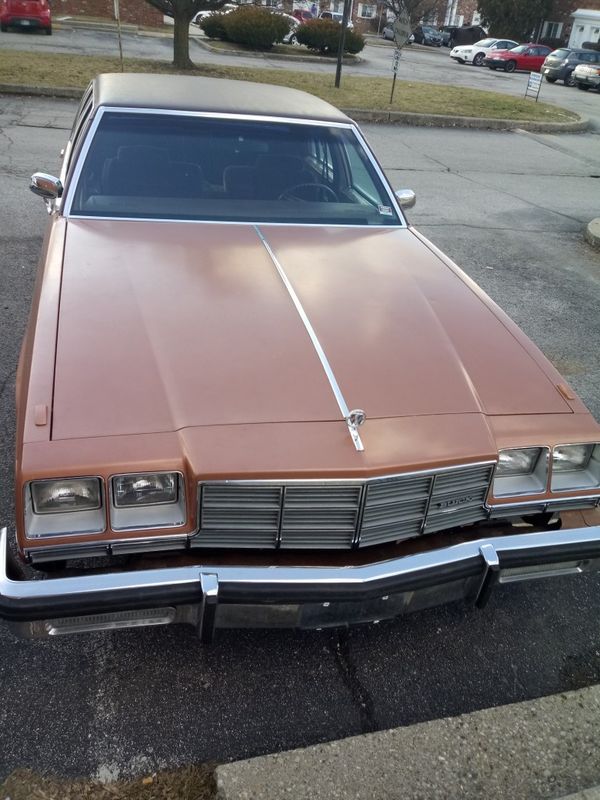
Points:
[(214, 95)]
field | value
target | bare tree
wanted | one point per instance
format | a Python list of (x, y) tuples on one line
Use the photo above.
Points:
[(183, 12), (417, 10)]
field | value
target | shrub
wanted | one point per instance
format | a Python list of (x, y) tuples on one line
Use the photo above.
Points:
[(212, 25), (553, 43), (323, 35), (255, 27), (591, 45)]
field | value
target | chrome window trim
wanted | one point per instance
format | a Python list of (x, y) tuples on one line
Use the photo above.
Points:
[(351, 126), (242, 222)]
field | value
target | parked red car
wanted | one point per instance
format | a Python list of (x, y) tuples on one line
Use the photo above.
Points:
[(25, 14), (302, 15), (529, 57)]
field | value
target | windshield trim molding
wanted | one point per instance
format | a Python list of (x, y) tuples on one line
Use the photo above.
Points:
[(350, 126)]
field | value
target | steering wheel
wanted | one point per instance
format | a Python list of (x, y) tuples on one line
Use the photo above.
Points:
[(323, 193)]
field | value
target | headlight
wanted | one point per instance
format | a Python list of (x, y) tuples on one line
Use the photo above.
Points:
[(147, 500), (73, 494), (522, 470), (575, 466), (143, 490), (64, 507)]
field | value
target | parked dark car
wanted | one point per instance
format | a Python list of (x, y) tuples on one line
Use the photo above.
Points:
[(453, 35), (426, 34), (25, 14), (559, 64)]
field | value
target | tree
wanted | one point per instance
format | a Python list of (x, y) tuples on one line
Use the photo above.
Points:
[(517, 19), (183, 11), (417, 10)]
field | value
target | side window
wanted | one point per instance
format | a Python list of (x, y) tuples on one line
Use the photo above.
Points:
[(361, 182)]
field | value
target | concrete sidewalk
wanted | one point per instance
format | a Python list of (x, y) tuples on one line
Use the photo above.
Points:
[(545, 748)]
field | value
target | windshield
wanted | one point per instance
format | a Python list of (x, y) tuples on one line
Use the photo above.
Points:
[(181, 166), (520, 49), (485, 43), (560, 53)]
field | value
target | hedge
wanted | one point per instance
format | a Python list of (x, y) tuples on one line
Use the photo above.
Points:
[(255, 27), (323, 35), (212, 25)]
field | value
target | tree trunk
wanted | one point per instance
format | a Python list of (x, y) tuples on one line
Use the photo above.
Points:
[(181, 42)]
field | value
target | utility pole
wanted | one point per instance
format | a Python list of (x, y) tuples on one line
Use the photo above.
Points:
[(340, 55)]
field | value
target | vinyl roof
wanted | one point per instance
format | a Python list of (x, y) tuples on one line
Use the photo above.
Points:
[(217, 95)]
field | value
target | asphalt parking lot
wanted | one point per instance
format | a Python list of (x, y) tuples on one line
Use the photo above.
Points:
[(509, 207)]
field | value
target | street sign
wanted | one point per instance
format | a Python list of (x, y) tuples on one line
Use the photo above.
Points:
[(534, 85), (396, 60), (402, 29)]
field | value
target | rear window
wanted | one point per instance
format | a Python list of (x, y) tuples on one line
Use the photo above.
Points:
[(561, 53), (182, 166)]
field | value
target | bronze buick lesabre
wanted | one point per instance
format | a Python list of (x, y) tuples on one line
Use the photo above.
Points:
[(251, 394)]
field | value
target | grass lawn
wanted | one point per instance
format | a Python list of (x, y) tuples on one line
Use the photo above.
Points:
[(58, 70)]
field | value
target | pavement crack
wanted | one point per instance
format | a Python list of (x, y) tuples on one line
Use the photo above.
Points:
[(361, 697), (540, 139)]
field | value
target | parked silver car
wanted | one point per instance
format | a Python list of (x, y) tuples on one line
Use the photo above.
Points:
[(587, 76)]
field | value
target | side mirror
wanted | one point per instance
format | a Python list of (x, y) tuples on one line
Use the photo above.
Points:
[(406, 197), (47, 187)]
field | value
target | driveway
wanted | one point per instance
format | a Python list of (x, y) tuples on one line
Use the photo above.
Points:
[(509, 207)]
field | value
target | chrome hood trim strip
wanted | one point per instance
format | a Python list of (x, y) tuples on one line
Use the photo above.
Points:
[(349, 417)]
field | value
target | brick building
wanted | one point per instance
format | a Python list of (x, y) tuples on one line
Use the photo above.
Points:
[(136, 12)]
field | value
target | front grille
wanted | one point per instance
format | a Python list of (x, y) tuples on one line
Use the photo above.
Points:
[(338, 515)]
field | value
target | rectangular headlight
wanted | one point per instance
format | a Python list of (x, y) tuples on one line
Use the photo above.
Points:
[(575, 466), (147, 500), (64, 507), (70, 494), (148, 488), (521, 471)]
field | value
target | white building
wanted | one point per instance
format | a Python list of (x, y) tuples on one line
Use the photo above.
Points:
[(586, 27)]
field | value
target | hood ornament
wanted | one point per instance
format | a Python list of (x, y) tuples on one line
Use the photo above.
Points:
[(354, 420)]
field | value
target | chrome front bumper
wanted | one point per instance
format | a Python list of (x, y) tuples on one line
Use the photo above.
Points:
[(211, 597)]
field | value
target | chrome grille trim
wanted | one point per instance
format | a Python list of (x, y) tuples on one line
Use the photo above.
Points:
[(340, 514)]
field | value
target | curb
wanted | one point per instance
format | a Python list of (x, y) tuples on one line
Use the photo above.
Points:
[(480, 123), (545, 748), (361, 115), (41, 91), (591, 232)]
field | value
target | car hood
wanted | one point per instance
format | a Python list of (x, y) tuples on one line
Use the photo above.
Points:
[(169, 325)]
